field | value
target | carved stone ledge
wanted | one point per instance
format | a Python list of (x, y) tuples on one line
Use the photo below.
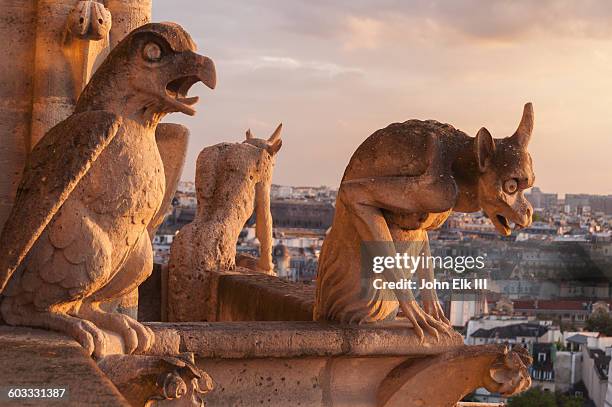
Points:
[(313, 364), (36, 358), (447, 378), (291, 339), (158, 380)]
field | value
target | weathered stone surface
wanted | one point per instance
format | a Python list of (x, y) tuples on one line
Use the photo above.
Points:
[(406, 179), (260, 297), (232, 179), (17, 37), (238, 295), (319, 364), (155, 381), (150, 296), (42, 71), (33, 358), (497, 368), (172, 140), (78, 233), (270, 339)]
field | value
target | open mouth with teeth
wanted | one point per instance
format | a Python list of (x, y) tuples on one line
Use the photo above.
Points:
[(504, 225), (504, 221), (176, 94)]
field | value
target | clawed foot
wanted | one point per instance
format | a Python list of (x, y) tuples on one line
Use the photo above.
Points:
[(423, 322), (88, 335), (433, 308), (137, 338)]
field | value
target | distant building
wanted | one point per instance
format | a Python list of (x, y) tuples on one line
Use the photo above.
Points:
[(281, 192), (302, 214), (541, 200), (595, 366), (570, 312), (486, 325), (461, 311), (542, 370), (585, 367), (524, 333), (595, 203), (567, 371)]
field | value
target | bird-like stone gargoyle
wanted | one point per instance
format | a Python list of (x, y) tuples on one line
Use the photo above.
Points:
[(401, 182), (91, 188)]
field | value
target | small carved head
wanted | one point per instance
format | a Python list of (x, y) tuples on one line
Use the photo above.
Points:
[(149, 73), (505, 172), (271, 145), (89, 20)]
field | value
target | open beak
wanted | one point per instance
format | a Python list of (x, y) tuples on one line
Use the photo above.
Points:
[(505, 225), (202, 69), (502, 225)]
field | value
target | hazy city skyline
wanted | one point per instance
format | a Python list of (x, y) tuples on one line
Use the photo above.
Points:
[(334, 73)]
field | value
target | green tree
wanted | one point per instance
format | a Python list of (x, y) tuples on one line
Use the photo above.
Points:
[(533, 398), (537, 398), (600, 322), (570, 401)]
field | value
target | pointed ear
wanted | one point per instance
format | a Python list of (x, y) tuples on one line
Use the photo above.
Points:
[(522, 135), (249, 135), (484, 148), (274, 147), (277, 133)]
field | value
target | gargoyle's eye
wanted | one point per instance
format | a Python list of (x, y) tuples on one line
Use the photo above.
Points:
[(510, 186), (152, 52)]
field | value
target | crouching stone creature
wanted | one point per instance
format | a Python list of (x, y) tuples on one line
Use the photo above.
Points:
[(401, 182)]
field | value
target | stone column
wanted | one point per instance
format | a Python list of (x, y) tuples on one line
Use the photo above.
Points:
[(54, 88), (17, 36), (42, 72), (127, 15), (63, 65)]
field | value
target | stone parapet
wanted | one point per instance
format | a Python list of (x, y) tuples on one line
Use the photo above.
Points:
[(277, 363), (239, 295), (37, 359), (291, 339)]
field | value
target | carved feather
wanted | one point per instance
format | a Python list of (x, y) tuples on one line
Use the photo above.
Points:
[(172, 140), (54, 168)]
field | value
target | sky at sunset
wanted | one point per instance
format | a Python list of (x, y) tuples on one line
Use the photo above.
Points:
[(335, 71)]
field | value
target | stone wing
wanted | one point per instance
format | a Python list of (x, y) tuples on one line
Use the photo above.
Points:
[(54, 168), (172, 140)]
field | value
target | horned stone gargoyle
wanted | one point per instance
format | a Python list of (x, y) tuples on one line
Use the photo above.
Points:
[(231, 179), (91, 188), (406, 179)]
